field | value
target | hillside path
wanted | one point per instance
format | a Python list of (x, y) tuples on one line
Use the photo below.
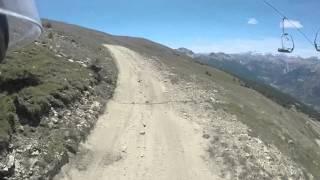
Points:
[(138, 138)]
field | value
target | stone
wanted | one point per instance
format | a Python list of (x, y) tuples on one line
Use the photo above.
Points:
[(268, 158), (88, 117), (95, 106), (144, 124), (50, 125), (55, 113), (11, 160), (8, 167), (68, 113), (55, 120), (291, 142), (206, 136), (142, 132), (21, 129), (124, 149), (318, 142), (35, 153), (71, 60), (247, 155)]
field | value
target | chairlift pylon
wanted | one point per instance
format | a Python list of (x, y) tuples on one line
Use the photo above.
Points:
[(286, 38)]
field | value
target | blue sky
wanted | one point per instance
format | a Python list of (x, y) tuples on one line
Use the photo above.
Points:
[(230, 26)]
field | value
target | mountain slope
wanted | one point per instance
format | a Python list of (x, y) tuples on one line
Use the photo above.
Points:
[(263, 136), (200, 118), (51, 94)]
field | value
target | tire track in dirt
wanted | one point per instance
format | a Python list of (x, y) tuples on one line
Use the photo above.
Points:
[(136, 139)]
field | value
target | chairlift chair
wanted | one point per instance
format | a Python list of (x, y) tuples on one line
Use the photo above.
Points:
[(286, 38)]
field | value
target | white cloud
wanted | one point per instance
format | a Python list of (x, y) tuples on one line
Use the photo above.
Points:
[(253, 21), (290, 24)]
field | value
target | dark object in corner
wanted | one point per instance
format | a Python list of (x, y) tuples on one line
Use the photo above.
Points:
[(4, 36)]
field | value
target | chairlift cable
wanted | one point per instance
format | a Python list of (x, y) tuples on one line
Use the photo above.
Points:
[(288, 20), (275, 9)]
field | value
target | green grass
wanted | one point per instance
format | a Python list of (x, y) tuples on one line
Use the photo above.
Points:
[(7, 110), (33, 80), (55, 147)]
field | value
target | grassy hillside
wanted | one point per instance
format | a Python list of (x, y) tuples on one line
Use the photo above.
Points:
[(271, 115), (250, 79), (32, 81), (51, 93)]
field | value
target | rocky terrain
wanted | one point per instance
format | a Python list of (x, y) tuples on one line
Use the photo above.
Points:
[(51, 94), (293, 75)]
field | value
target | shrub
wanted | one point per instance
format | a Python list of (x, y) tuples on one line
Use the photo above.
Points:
[(50, 35)]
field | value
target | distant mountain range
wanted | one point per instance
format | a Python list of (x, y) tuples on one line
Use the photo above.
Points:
[(297, 76)]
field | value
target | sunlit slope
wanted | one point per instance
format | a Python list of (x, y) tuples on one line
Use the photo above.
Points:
[(293, 133)]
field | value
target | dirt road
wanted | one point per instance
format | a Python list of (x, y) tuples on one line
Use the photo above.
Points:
[(139, 137)]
